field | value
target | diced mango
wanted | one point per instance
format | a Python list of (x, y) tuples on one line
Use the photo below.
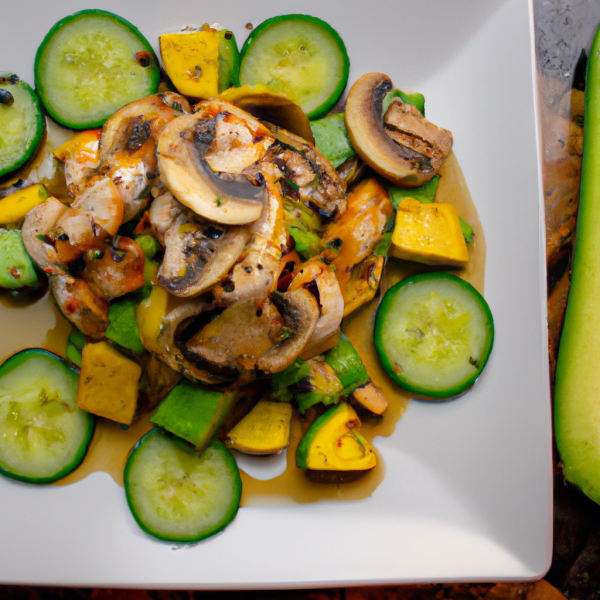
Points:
[(429, 234), (108, 383), (264, 430), (191, 60), (85, 146), (15, 206)]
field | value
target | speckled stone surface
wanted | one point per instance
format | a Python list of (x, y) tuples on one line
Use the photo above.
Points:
[(562, 29)]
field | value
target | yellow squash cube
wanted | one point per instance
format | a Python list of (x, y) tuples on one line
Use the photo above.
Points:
[(264, 430), (429, 234), (15, 206), (108, 383), (192, 62)]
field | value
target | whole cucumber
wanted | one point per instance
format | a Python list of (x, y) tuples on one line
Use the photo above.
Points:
[(577, 391)]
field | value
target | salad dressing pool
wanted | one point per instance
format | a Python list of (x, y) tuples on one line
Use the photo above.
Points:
[(38, 323)]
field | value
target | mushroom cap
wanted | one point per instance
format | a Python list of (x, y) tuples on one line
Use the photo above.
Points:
[(364, 120), (228, 198)]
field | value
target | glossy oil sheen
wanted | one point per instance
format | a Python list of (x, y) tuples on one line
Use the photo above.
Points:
[(467, 489)]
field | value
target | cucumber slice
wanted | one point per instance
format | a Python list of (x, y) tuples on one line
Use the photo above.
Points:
[(22, 122), (86, 68), (178, 495), (433, 334), (43, 434), (300, 56)]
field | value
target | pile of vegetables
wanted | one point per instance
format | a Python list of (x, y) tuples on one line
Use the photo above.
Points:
[(216, 226)]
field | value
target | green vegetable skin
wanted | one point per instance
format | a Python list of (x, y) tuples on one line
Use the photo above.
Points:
[(85, 68), (345, 361), (43, 434), (16, 268), (433, 334), (192, 413), (176, 494), (291, 375), (22, 122), (332, 140), (229, 60), (576, 399), (122, 327), (75, 345), (415, 99), (301, 56)]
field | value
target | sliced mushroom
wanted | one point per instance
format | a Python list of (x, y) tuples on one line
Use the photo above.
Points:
[(80, 305), (162, 214), (171, 341), (319, 185), (398, 159), (239, 336), (253, 278), (410, 129), (352, 170), (38, 223), (198, 254), (300, 312), (317, 277), (128, 146), (231, 198), (274, 107)]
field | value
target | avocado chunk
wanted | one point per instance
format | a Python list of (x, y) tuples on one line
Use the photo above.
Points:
[(264, 430), (333, 443), (122, 327), (192, 413), (283, 380), (345, 361), (322, 385), (75, 344)]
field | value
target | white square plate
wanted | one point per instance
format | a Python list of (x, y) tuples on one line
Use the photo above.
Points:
[(467, 489)]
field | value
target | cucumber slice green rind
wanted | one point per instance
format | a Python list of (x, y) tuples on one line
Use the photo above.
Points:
[(451, 370), (576, 407), (25, 377), (255, 68), (22, 127), (80, 100), (202, 491)]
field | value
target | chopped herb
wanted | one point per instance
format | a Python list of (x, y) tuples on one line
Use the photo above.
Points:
[(228, 289), (467, 230), (218, 201), (284, 334)]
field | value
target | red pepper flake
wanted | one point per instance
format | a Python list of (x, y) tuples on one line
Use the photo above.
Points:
[(48, 270), (15, 272), (339, 443)]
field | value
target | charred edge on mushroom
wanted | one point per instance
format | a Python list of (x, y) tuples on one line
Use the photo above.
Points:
[(186, 331), (140, 132), (236, 186)]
